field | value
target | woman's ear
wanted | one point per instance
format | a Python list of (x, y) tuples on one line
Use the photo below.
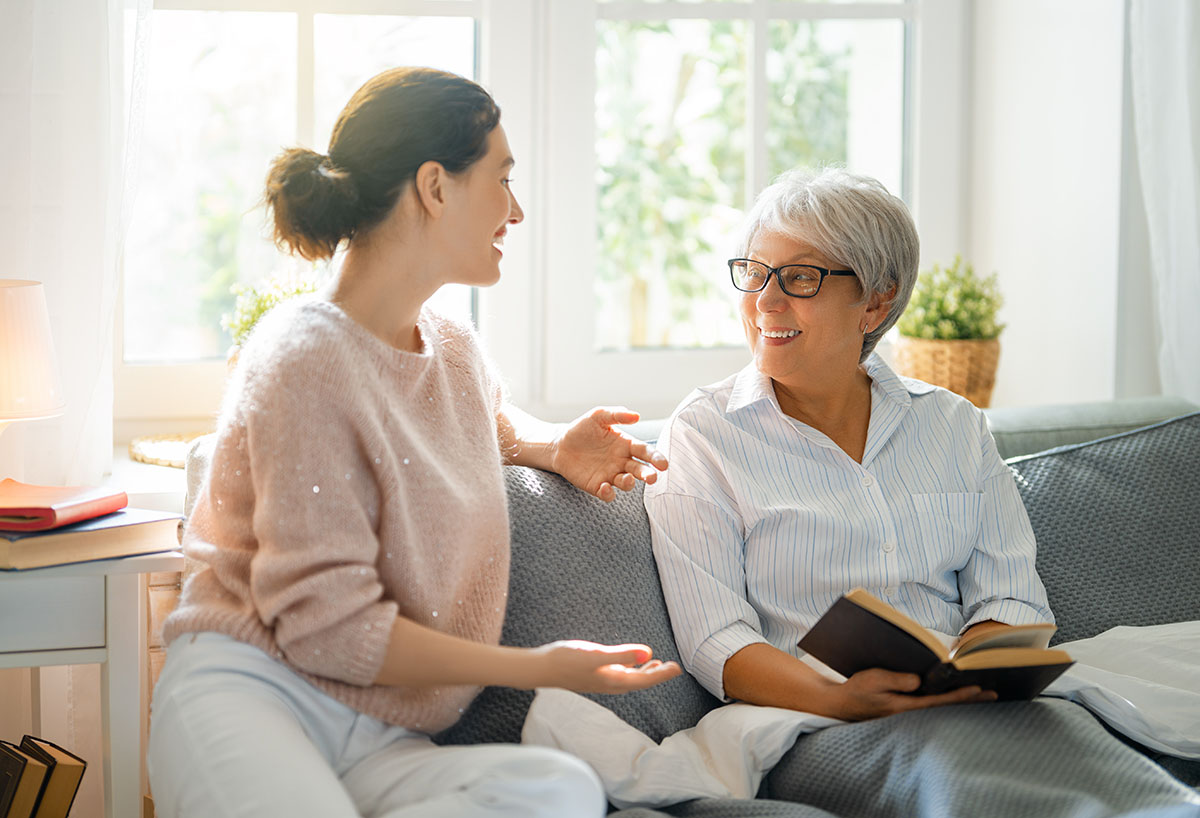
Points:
[(430, 187), (878, 305)]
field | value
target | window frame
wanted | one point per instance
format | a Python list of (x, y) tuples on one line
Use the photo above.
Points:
[(528, 55), (183, 396), (571, 374)]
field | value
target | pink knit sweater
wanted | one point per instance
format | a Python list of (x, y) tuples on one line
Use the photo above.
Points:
[(352, 482)]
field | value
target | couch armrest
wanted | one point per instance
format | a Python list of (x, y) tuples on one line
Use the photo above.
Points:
[(1028, 429)]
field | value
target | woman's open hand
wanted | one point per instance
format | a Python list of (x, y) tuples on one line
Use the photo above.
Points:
[(588, 667), (597, 458)]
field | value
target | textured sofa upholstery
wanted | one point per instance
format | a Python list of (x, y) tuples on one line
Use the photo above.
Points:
[(1117, 522)]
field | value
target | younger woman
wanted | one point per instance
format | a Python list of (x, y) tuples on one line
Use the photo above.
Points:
[(352, 528)]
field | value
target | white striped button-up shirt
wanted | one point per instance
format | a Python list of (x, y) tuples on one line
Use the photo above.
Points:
[(762, 522)]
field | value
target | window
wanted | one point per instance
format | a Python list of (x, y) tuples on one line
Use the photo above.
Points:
[(667, 129), (679, 156), (229, 85), (642, 130)]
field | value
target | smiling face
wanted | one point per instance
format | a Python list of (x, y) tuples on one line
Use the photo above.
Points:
[(483, 208), (796, 340)]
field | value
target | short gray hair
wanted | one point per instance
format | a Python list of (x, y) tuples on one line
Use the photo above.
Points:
[(849, 218)]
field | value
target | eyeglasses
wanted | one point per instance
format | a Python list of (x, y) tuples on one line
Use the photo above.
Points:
[(796, 280)]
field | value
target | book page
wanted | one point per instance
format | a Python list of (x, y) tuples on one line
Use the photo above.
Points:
[(1036, 635), (1012, 657)]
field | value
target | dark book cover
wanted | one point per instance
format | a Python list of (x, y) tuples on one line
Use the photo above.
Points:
[(1010, 683), (12, 765), (29, 784), (62, 779), (850, 638)]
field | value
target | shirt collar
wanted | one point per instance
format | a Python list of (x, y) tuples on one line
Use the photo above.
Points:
[(752, 386), (895, 387)]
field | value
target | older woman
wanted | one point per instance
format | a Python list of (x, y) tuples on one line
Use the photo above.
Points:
[(817, 469)]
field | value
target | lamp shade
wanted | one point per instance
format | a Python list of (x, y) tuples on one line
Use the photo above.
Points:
[(29, 384)]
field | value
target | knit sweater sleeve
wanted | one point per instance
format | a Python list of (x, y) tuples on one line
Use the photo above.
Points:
[(313, 577)]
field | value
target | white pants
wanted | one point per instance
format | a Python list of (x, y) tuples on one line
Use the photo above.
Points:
[(235, 733)]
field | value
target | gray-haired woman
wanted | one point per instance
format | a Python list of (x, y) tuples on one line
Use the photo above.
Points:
[(817, 469)]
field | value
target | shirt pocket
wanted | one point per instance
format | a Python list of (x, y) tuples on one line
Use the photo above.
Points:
[(947, 526)]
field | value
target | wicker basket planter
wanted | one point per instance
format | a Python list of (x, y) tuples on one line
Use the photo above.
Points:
[(967, 368)]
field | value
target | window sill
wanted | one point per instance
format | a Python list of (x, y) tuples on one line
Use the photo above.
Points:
[(159, 488)]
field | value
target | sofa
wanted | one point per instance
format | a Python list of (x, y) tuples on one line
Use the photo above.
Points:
[(1113, 493)]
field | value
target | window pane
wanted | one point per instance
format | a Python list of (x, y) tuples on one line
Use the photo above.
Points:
[(220, 100), (671, 158), (221, 103), (350, 49), (836, 95)]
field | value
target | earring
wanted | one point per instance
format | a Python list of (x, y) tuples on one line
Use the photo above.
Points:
[(864, 328)]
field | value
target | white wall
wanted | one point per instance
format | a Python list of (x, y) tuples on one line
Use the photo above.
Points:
[(1044, 189)]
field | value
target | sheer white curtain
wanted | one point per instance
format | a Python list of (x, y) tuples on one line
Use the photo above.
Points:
[(62, 131), (1165, 72)]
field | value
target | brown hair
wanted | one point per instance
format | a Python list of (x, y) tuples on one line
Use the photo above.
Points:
[(393, 124)]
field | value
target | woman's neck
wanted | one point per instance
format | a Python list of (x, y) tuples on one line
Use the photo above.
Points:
[(383, 286), (838, 407)]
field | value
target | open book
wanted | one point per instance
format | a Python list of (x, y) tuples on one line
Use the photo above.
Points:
[(862, 631)]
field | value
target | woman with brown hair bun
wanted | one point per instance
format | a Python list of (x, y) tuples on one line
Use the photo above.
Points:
[(352, 529)]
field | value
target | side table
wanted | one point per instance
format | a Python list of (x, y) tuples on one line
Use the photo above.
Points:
[(84, 613)]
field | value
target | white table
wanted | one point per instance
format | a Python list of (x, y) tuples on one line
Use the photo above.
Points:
[(91, 612)]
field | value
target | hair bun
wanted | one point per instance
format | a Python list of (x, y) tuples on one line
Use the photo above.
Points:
[(314, 202)]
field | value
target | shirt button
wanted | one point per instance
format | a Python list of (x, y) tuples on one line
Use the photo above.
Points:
[(868, 481), (889, 591), (889, 547)]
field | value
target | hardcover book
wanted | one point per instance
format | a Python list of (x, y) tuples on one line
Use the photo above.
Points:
[(123, 533), (62, 778), (21, 780), (861, 631), (25, 507)]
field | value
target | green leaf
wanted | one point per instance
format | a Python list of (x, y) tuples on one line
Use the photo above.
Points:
[(953, 303)]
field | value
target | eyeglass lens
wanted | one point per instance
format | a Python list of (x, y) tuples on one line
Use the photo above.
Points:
[(796, 279)]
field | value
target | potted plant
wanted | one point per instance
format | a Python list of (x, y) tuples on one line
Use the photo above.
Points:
[(256, 301), (949, 334)]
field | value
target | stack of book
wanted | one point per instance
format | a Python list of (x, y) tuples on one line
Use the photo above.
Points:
[(55, 525), (38, 779)]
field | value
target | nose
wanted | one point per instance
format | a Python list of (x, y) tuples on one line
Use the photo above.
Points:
[(771, 298), (515, 214)]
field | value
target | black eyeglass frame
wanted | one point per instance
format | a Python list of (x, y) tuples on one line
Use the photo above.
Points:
[(777, 272)]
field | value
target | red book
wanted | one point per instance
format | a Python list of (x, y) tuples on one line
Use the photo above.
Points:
[(36, 508)]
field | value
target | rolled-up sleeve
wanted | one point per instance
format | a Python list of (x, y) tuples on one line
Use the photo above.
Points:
[(699, 544), (1000, 579)]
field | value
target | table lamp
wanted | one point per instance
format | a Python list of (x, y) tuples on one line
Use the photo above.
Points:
[(29, 385)]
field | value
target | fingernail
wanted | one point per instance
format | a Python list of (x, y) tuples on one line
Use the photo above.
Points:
[(643, 656)]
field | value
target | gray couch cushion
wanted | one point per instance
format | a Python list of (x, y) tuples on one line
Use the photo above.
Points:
[(1118, 527), (599, 553), (1020, 430)]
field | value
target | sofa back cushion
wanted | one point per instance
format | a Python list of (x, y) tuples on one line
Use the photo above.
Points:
[(1117, 522), (582, 569)]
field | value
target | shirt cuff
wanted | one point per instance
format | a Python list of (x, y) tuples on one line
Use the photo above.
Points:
[(1010, 612), (708, 662)]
